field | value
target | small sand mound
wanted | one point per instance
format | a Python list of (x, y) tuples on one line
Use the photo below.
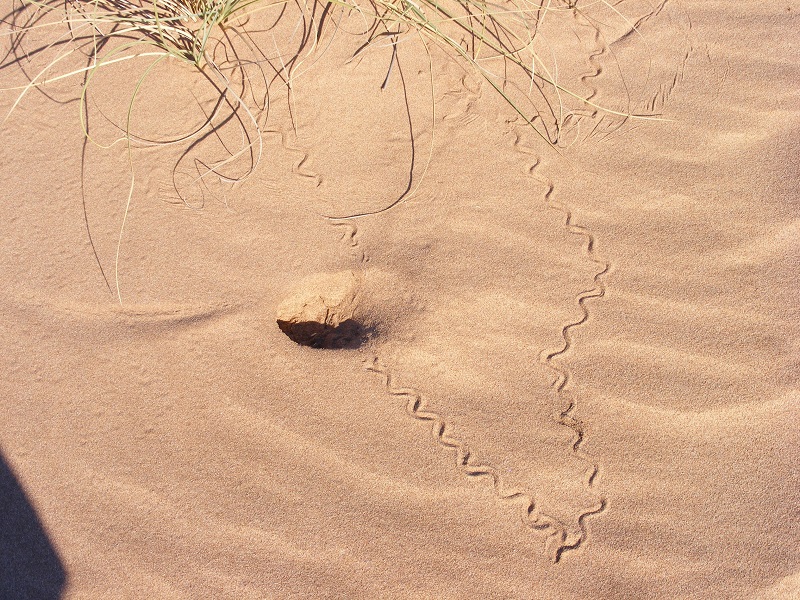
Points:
[(321, 313)]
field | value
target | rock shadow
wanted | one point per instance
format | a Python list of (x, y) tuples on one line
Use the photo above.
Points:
[(348, 334)]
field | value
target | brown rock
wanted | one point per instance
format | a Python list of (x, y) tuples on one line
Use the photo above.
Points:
[(322, 312)]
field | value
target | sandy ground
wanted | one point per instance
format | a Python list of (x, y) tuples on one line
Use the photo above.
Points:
[(633, 289)]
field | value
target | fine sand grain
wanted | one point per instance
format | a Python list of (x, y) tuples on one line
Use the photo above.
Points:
[(543, 372)]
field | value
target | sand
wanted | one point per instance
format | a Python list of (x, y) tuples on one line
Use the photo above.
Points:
[(579, 379)]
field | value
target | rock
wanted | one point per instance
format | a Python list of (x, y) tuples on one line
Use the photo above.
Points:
[(322, 312)]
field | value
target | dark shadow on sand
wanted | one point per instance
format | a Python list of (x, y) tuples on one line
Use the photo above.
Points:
[(348, 334), (29, 566)]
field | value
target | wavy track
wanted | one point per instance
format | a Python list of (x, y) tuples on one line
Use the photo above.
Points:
[(558, 539), (606, 123), (593, 59), (298, 167), (550, 358), (417, 407), (466, 97), (351, 241)]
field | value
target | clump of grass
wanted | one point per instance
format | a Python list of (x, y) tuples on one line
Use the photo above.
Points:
[(491, 38), (179, 28), (103, 33), (477, 32), (155, 29)]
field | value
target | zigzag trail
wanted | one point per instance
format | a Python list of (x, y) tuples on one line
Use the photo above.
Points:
[(593, 59), (606, 123), (549, 358), (417, 407), (350, 239), (558, 539), (297, 166), (466, 97)]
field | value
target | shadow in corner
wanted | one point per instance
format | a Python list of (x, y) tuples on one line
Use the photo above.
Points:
[(29, 566)]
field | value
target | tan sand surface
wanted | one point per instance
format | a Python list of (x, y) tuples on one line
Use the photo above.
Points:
[(581, 375)]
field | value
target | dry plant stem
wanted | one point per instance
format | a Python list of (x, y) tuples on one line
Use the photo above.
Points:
[(133, 175), (215, 169), (412, 189), (183, 30), (160, 29)]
